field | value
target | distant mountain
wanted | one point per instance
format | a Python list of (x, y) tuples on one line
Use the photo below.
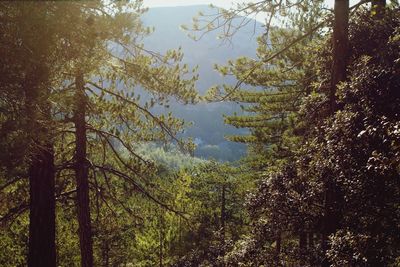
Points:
[(208, 128)]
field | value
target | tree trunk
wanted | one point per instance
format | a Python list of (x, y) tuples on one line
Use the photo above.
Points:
[(340, 55), (82, 175), (42, 249), (340, 48), (41, 172)]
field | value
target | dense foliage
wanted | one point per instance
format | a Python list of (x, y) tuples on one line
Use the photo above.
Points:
[(349, 156), (90, 175)]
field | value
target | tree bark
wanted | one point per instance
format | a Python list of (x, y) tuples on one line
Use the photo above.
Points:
[(41, 171), (42, 249), (82, 175), (332, 212), (340, 48)]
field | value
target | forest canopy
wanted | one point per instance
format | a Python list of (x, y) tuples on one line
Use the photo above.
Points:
[(97, 170)]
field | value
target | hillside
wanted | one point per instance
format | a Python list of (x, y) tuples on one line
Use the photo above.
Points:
[(208, 126)]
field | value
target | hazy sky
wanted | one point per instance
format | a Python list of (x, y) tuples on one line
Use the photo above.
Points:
[(220, 3), (159, 3)]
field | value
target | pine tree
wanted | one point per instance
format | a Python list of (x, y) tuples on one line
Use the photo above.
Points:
[(27, 70), (270, 88), (106, 64), (102, 47), (282, 76)]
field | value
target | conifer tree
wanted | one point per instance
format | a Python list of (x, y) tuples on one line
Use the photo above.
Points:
[(109, 64), (270, 87), (285, 187), (27, 73), (99, 41)]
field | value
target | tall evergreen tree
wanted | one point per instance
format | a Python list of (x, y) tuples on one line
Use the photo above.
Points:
[(105, 66), (340, 53), (31, 64)]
